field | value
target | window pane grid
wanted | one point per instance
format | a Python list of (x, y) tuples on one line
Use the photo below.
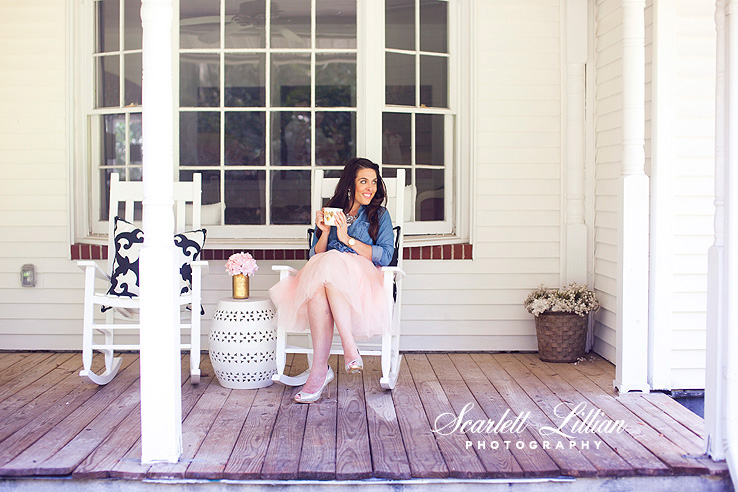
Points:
[(290, 90), (417, 134)]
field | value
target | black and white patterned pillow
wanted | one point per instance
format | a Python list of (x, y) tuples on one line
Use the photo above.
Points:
[(128, 242)]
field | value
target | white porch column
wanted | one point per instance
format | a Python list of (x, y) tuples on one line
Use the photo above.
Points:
[(661, 279), (727, 402), (632, 314), (161, 391), (715, 264), (576, 57)]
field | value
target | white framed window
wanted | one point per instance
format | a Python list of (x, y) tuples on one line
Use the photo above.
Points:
[(269, 91)]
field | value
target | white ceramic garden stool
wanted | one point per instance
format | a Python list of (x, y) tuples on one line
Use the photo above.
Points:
[(243, 340)]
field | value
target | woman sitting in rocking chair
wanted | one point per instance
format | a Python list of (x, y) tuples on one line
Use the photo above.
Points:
[(341, 282)]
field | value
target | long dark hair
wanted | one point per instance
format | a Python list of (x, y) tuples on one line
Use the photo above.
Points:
[(343, 197)]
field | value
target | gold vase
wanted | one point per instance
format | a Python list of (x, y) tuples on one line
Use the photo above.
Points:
[(240, 286)]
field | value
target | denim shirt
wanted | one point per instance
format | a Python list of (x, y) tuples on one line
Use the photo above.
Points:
[(382, 250)]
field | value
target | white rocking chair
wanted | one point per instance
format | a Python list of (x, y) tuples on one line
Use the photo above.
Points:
[(389, 346), (187, 203)]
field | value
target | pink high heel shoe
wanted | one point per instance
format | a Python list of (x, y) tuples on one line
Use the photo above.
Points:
[(304, 397), (354, 366)]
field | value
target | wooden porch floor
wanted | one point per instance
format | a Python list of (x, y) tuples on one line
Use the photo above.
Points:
[(54, 424)]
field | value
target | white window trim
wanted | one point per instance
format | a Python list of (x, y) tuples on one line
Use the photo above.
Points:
[(370, 24)]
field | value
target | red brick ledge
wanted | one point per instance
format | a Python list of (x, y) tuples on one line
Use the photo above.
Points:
[(445, 252)]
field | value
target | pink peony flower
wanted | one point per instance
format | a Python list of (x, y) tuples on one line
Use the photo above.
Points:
[(241, 263)]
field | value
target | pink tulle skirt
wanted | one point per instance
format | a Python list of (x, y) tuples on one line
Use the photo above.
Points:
[(352, 275)]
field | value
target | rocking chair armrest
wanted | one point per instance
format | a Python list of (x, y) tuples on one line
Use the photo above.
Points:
[(284, 270), (99, 272), (202, 266), (397, 272)]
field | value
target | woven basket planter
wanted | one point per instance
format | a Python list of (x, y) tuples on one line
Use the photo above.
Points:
[(562, 337)]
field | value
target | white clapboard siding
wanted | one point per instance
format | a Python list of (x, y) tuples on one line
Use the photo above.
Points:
[(448, 305), (608, 150), (34, 215), (693, 168)]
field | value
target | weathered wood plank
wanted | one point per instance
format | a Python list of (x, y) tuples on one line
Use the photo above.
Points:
[(557, 406), (601, 372), (117, 445), (27, 371), (389, 459), (43, 393), (659, 445), (318, 457), (353, 454), (533, 461), (120, 440), (30, 461), (678, 412), (130, 466), (461, 461), (282, 459), (498, 462), (640, 459), (688, 441), (251, 446), (422, 450), (210, 460), (194, 428), (10, 359), (66, 459), (31, 425)]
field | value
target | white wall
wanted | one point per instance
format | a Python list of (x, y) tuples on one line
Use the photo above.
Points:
[(448, 305), (34, 214), (608, 164), (693, 186)]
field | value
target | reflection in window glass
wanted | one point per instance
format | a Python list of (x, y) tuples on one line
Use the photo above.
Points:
[(434, 26), (199, 139), (290, 80), (391, 172), (291, 24), (335, 24), (108, 81), (210, 185), (108, 26), (335, 137), (199, 23), (244, 24), (396, 138), (434, 81), (290, 138), (400, 79), (134, 31), (429, 204), (245, 197), (335, 80), (245, 80), (244, 138), (290, 192), (134, 69), (199, 80), (399, 24), (135, 135), (114, 140), (105, 190), (429, 139)]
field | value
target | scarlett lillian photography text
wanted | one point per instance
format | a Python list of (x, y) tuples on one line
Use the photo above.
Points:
[(574, 425)]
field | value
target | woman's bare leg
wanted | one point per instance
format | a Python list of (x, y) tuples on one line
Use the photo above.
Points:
[(321, 332), (341, 311)]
